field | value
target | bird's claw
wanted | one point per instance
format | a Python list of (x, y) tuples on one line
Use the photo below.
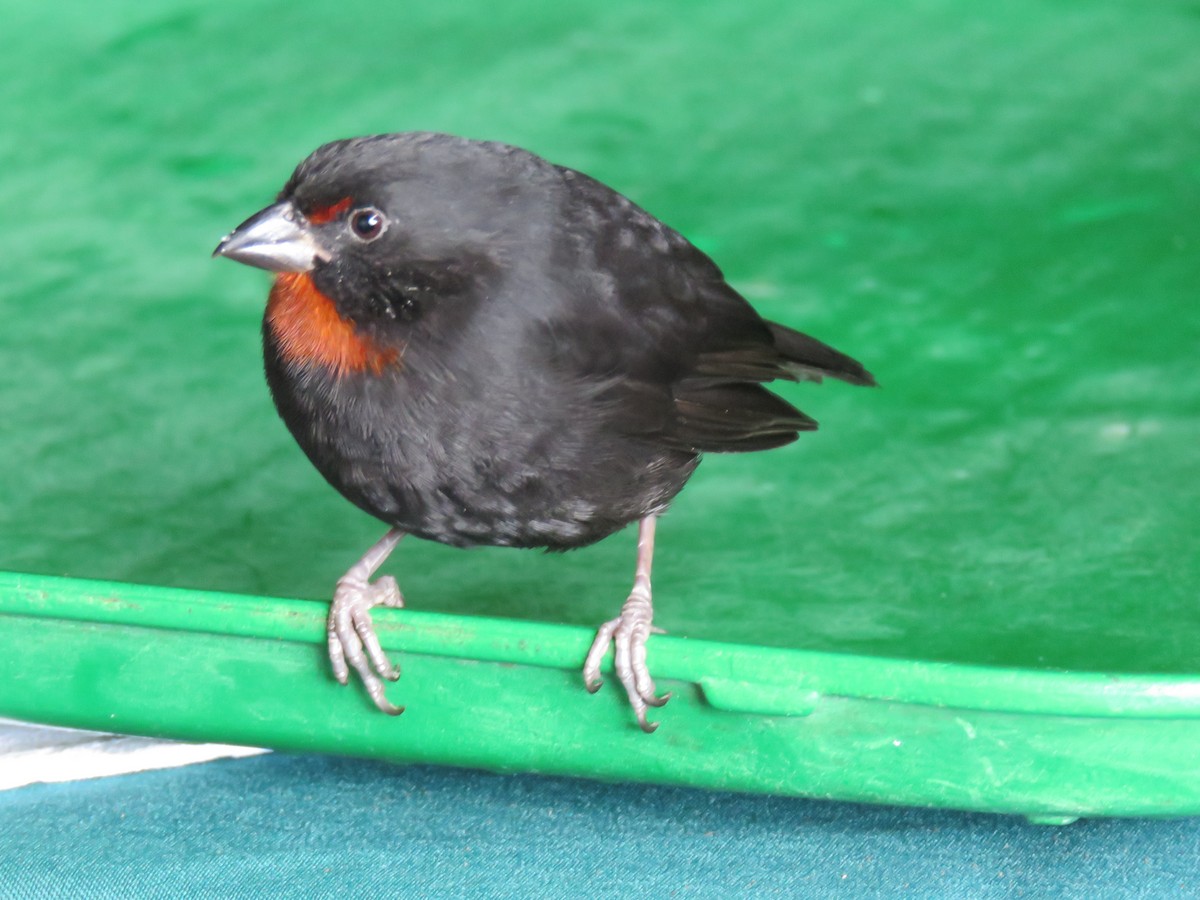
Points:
[(353, 643), (628, 634)]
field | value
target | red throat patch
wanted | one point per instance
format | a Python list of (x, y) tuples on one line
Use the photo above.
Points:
[(309, 330)]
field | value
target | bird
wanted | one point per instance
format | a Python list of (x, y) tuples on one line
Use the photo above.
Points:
[(480, 347)]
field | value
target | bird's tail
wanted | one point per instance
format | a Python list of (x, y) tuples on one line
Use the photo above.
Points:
[(810, 360)]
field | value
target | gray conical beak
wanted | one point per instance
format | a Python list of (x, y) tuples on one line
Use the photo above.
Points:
[(276, 238)]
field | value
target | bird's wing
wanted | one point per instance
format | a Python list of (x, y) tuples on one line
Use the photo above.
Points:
[(674, 353)]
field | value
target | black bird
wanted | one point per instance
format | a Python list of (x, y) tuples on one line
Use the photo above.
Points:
[(479, 347)]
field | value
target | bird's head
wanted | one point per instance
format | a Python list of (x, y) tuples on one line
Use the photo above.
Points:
[(376, 232)]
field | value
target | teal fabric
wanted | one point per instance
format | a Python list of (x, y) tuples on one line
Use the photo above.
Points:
[(303, 826)]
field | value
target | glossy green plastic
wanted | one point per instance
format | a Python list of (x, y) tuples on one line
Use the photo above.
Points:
[(507, 695), (975, 587)]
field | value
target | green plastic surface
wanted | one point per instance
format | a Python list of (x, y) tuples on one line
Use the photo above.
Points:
[(995, 211), (505, 695)]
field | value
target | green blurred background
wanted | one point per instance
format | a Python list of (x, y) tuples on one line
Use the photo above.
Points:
[(995, 210)]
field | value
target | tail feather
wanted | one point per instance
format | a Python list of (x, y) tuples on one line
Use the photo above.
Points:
[(810, 360), (734, 417), (722, 404)]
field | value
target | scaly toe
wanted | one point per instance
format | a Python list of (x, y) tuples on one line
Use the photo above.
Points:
[(591, 666), (627, 634), (337, 659), (364, 628), (353, 643), (630, 661), (386, 592), (375, 689)]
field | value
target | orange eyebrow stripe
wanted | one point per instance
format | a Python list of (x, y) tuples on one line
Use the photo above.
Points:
[(309, 331), (330, 212)]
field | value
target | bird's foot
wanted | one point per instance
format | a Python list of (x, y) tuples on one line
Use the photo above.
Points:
[(628, 634), (352, 639)]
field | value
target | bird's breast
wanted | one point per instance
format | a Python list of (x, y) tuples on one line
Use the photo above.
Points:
[(309, 330)]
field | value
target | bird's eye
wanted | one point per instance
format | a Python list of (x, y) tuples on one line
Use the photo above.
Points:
[(367, 223)]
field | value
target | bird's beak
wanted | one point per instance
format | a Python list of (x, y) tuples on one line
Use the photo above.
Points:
[(276, 238)]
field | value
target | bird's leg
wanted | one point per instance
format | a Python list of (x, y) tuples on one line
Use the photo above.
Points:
[(628, 634), (352, 639)]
